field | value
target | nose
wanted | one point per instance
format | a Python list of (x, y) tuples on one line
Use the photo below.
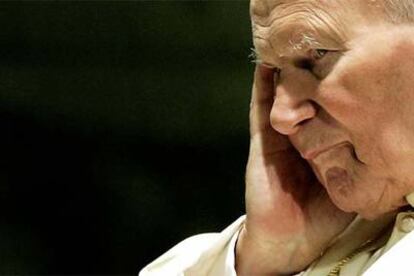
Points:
[(289, 112)]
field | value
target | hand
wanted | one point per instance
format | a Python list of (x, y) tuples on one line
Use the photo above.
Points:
[(290, 218)]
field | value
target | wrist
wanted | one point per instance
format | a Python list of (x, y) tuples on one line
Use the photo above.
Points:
[(251, 258)]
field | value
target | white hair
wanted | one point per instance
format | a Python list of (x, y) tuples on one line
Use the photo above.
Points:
[(400, 11)]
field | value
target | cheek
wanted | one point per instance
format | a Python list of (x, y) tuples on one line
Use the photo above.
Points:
[(355, 89), (378, 81), (367, 83), (373, 102), (360, 97)]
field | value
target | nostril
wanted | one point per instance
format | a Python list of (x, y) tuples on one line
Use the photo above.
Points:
[(283, 121), (287, 120), (303, 122)]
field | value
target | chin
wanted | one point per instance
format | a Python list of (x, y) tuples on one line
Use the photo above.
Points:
[(352, 196), (342, 203), (370, 215), (349, 207), (364, 210)]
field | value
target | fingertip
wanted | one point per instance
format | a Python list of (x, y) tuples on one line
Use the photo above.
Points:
[(265, 77), (265, 71)]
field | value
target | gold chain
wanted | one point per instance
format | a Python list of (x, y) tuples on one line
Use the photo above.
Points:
[(337, 269)]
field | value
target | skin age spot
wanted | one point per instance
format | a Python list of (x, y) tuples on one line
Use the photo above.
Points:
[(339, 179)]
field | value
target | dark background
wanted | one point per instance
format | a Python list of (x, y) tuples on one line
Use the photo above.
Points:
[(124, 129)]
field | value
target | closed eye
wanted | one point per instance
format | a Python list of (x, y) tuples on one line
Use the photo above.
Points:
[(313, 57), (318, 62), (317, 54)]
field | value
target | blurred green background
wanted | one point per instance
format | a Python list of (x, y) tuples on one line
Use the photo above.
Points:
[(124, 130)]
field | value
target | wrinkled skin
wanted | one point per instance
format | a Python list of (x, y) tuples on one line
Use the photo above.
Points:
[(331, 133)]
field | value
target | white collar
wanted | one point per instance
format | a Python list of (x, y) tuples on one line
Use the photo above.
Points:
[(410, 199)]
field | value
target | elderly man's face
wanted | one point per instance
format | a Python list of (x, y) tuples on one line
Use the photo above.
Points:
[(344, 95)]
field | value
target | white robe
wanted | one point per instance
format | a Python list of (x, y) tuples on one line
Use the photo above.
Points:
[(212, 254)]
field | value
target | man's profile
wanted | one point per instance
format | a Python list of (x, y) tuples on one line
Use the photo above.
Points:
[(330, 175)]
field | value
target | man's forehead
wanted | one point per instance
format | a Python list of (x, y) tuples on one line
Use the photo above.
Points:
[(263, 8), (283, 26)]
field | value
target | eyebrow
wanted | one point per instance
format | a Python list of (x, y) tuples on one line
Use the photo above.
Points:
[(255, 58), (297, 37)]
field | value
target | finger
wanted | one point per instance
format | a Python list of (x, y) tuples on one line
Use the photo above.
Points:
[(262, 99)]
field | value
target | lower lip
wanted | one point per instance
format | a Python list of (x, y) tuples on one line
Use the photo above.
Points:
[(315, 154)]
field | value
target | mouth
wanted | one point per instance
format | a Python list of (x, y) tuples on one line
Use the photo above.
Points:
[(313, 153)]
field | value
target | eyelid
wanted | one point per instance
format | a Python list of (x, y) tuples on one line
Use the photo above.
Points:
[(313, 52), (319, 53)]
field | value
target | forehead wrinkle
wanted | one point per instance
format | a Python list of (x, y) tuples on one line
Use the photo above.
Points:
[(261, 43), (298, 26), (305, 28), (260, 9)]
